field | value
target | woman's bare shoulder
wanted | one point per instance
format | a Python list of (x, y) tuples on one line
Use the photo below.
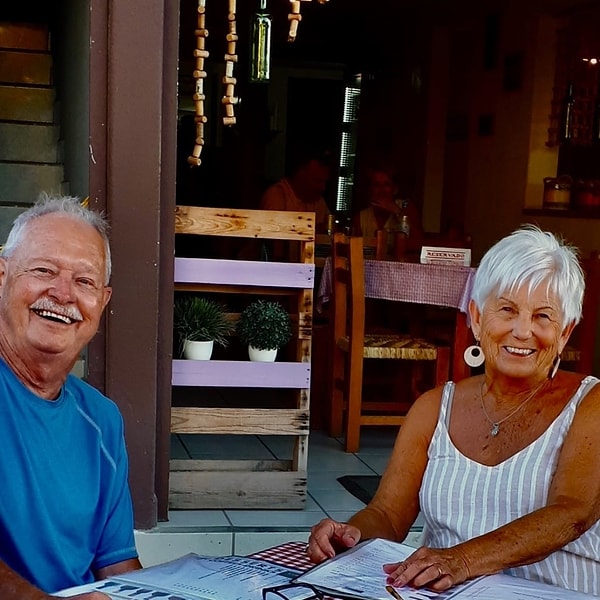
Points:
[(424, 413)]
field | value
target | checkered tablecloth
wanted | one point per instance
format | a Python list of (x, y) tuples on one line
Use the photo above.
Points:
[(439, 285), (290, 554)]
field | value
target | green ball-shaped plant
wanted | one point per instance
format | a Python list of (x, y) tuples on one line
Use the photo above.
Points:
[(200, 319), (265, 325)]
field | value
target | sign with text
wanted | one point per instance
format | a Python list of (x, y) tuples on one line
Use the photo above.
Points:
[(432, 255)]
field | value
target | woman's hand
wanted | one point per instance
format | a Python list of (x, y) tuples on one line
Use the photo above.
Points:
[(434, 568), (328, 537)]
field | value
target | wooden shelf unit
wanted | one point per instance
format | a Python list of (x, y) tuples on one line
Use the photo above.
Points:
[(221, 483)]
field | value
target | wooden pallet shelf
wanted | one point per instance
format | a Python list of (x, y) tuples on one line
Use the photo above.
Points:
[(222, 483)]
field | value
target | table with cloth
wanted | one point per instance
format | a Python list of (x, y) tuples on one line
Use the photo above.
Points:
[(433, 284)]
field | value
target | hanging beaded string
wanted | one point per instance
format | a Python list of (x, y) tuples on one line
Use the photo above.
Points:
[(294, 17), (200, 53), (229, 99)]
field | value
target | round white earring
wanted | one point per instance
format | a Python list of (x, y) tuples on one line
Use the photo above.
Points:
[(474, 356)]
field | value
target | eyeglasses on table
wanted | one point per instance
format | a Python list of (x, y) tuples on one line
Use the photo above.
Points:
[(279, 591)]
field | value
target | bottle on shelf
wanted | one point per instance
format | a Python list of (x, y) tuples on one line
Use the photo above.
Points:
[(567, 130), (260, 44)]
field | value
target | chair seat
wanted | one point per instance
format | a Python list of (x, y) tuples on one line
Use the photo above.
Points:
[(399, 347)]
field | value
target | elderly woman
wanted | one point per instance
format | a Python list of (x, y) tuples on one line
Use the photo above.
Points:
[(505, 465)]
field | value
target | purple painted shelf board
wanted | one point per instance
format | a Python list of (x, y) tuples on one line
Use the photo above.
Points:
[(236, 373), (250, 273)]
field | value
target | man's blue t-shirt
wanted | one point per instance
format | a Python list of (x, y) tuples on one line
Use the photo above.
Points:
[(65, 506)]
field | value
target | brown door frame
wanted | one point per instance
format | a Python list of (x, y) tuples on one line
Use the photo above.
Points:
[(133, 118)]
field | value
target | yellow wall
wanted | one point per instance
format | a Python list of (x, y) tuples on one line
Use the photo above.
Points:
[(504, 172)]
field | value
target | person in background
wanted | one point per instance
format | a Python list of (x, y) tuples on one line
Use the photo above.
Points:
[(504, 466), (303, 188), (66, 515), (382, 194)]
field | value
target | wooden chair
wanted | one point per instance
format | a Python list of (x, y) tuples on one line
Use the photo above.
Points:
[(578, 355), (350, 346), (322, 249)]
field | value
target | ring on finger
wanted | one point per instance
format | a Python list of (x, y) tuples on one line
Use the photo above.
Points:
[(440, 572)]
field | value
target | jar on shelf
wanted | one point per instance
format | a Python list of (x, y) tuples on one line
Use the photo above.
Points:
[(587, 193), (557, 192)]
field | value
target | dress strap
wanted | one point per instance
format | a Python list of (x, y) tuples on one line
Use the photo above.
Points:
[(446, 402), (587, 383)]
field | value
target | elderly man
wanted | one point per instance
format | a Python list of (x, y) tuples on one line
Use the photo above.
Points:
[(65, 507)]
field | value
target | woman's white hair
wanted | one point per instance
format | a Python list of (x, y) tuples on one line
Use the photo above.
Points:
[(64, 205), (530, 256)]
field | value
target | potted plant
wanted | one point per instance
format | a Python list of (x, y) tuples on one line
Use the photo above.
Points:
[(265, 327), (200, 322)]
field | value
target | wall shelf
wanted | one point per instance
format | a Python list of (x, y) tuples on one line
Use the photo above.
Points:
[(222, 482), (571, 213)]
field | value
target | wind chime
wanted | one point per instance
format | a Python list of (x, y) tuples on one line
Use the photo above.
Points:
[(295, 17), (229, 99)]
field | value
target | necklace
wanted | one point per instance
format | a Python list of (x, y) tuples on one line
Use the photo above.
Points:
[(496, 424)]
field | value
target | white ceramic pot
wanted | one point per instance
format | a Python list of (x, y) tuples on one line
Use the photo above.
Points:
[(197, 350), (262, 355)]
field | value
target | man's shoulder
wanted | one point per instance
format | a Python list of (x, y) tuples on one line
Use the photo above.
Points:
[(90, 398), (277, 196)]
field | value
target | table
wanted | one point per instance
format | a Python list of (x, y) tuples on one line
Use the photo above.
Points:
[(438, 285), (293, 555), (288, 554)]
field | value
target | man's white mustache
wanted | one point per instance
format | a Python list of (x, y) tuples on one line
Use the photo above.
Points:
[(71, 312)]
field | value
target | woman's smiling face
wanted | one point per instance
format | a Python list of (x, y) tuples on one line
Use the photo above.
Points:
[(521, 332)]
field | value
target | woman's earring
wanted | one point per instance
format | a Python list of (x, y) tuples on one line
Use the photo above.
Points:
[(554, 368), (474, 356)]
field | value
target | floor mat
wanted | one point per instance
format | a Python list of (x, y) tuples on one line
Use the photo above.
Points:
[(362, 487)]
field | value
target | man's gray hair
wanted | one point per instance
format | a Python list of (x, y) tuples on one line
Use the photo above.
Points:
[(530, 256), (64, 205)]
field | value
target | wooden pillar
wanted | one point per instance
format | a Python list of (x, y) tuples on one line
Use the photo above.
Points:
[(132, 155)]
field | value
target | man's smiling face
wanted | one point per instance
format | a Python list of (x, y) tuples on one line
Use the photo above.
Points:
[(52, 288)]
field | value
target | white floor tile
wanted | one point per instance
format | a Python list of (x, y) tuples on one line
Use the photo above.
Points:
[(342, 515), (325, 480), (376, 462), (330, 500), (178, 450), (336, 463), (276, 519), (225, 446), (180, 519), (155, 547)]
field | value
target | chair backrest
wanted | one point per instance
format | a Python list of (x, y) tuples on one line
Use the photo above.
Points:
[(381, 248), (322, 249), (348, 287)]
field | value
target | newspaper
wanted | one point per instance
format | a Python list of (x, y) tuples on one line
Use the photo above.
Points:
[(357, 573)]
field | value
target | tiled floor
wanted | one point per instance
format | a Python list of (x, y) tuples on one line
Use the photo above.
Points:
[(220, 532)]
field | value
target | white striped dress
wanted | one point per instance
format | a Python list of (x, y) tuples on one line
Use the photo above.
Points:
[(461, 498)]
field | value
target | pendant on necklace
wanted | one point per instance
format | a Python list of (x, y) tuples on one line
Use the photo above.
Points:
[(495, 429)]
